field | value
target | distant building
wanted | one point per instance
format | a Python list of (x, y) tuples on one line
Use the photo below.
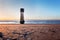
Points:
[(22, 16)]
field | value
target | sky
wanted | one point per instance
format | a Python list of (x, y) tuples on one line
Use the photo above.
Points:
[(33, 9)]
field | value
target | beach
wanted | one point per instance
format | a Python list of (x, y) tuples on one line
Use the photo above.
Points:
[(31, 31)]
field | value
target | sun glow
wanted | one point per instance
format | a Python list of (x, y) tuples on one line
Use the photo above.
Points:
[(8, 19)]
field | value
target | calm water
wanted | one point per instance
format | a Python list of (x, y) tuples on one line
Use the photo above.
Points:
[(42, 22), (33, 22)]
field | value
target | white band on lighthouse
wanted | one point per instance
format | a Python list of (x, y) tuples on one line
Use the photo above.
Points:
[(22, 16)]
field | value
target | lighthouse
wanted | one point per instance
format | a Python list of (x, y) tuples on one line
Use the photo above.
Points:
[(22, 16)]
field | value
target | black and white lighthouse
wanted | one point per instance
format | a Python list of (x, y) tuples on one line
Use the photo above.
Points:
[(22, 16)]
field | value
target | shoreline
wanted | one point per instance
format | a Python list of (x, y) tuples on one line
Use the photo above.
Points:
[(29, 24)]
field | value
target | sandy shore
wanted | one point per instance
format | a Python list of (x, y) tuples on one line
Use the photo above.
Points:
[(33, 31)]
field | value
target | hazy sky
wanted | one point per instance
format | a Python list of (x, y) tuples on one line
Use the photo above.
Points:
[(34, 9)]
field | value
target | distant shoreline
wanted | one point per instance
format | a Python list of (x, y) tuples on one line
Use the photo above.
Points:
[(29, 24)]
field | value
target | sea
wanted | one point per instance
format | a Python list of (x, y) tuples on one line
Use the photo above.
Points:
[(31, 22)]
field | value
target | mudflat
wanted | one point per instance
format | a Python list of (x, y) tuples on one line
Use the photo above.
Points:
[(31, 31)]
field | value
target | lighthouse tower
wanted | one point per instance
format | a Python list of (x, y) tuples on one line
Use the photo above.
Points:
[(22, 16)]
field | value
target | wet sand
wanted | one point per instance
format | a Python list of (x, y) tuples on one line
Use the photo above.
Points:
[(32, 31)]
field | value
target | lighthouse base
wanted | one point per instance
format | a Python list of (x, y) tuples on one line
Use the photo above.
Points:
[(22, 22)]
